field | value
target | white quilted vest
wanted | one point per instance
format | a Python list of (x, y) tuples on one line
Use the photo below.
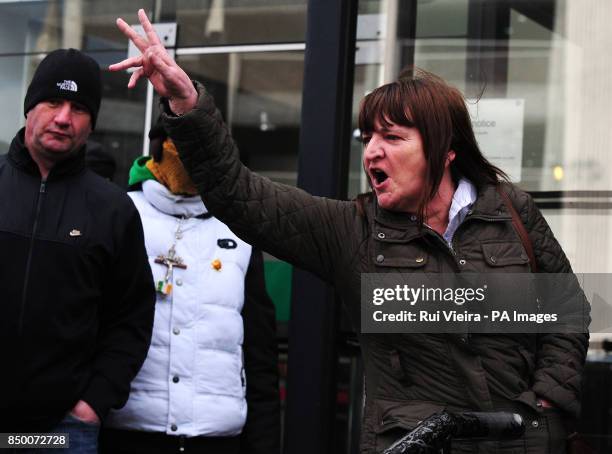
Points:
[(192, 382)]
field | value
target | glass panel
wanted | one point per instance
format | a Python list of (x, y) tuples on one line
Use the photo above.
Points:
[(262, 111), (529, 68), (41, 26), (12, 93), (120, 123), (214, 22)]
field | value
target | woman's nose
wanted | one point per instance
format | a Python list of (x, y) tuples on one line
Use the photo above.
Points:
[(374, 148)]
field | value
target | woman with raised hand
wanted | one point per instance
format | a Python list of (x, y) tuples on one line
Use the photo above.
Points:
[(435, 202)]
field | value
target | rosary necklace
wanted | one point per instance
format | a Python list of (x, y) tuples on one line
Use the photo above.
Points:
[(171, 261)]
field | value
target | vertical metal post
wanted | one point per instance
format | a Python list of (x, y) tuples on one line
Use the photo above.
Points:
[(322, 170), (487, 57), (406, 32), (72, 24), (148, 117)]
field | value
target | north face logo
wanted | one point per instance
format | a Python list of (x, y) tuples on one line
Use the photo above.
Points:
[(69, 85)]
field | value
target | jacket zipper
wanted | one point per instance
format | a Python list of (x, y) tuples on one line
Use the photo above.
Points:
[(451, 247), (24, 293)]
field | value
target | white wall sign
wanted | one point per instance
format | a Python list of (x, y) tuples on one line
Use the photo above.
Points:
[(166, 33), (498, 126)]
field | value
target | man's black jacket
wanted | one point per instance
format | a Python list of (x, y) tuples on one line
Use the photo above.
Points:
[(77, 301)]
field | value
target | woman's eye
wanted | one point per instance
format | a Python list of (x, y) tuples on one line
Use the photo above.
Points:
[(391, 137), (365, 139)]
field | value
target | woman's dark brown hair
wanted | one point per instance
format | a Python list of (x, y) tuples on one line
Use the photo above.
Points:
[(437, 110)]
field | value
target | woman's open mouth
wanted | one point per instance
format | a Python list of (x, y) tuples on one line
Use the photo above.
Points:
[(379, 176)]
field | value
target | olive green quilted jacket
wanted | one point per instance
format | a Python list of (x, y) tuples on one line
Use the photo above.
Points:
[(408, 377)]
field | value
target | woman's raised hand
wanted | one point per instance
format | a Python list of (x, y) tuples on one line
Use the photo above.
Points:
[(154, 63)]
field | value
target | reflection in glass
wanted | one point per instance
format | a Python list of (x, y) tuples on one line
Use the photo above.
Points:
[(42, 26), (216, 22), (120, 123), (12, 93), (263, 112)]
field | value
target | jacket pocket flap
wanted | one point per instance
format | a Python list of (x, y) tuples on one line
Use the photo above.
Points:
[(504, 253)]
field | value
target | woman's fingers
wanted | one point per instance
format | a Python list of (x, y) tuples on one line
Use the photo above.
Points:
[(176, 83), (148, 28), (167, 77), (162, 67), (134, 77), (132, 62), (166, 57), (140, 42)]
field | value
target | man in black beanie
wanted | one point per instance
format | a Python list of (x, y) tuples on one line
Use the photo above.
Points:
[(61, 106), (78, 297)]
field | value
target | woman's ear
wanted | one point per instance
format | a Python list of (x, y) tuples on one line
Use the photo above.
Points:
[(450, 157)]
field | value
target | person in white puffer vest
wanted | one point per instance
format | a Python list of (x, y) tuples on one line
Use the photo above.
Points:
[(201, 389)]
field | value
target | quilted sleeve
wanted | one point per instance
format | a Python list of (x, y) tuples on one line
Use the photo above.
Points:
[(313, 233), (560, 357)]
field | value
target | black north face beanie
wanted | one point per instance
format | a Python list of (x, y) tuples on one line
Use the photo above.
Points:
[(66, 74)]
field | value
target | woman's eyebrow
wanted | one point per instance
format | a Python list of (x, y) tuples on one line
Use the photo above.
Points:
[(395, 128)]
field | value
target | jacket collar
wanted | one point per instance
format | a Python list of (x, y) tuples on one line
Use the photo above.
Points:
[(19, 156), (489, 205)]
